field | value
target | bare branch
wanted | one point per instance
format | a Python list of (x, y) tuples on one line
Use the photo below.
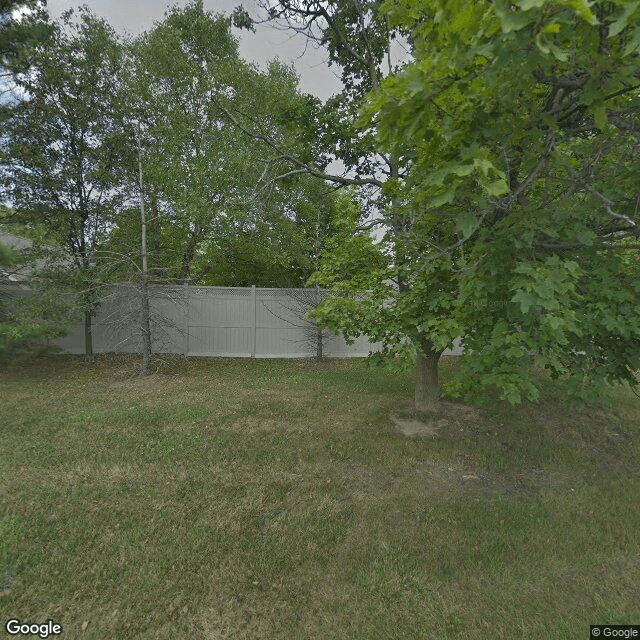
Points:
[(371, 224), (608, 204), (295, 161)]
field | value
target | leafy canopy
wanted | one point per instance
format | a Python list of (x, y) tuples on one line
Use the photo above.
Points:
[(519, 124)]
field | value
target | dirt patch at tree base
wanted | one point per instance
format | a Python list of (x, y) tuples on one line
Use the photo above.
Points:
[(420, 424)]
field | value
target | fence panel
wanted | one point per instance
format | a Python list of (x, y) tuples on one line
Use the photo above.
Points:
[(282, 330), (219, 321), (215, 321)]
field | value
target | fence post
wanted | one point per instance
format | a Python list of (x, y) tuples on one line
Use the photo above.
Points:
[(255, 320), (186, 318)]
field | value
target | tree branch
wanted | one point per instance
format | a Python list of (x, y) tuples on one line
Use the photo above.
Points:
[(608, 204), (284, 155)]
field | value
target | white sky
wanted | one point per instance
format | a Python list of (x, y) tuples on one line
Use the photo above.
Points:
[(136, 16)]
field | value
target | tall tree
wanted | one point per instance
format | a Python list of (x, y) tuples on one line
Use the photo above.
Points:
[(61, 145), (504, 106), (361, 41), (521, 120), (206, 208)]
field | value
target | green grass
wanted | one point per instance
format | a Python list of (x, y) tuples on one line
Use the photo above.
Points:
[(273, 500)]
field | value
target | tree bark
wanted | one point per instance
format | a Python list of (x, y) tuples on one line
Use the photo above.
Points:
[(145, 310), (319, 345), (319, 334), (427, 395), (154, 228), (145, 326), (187, 258), (88, 336)]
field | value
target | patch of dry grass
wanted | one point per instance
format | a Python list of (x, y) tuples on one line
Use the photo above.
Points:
[(274, 499)]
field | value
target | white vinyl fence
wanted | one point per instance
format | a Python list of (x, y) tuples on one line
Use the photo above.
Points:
[(244, 322)]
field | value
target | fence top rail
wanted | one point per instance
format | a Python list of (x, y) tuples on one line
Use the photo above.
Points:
[(276, 289), (124, 285)]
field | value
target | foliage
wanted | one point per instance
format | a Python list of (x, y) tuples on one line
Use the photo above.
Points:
[(70, 158), (521, 124), (23, 25), (358, 40), (61, 150), (29, 319), (61, 145), (6, 257), (388, 300), (209, 222), (279, 247)]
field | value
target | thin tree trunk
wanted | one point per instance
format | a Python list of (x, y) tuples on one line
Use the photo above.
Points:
[(319, 338), (427, 396), (145, 310), (155, 233), (88, 335), (145, 325)]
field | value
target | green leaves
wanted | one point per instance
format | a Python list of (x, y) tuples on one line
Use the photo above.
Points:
[(6, 256), (475, 162), (514, 20), (546, 287), (523, 177), (223, 216), (466, 223), (583, 9), (600, 117), (63, 150), (527, 299), (634, 42), (620, 19), (525, 13), (497, 188)]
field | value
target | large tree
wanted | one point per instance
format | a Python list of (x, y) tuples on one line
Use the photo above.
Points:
[(516, 127), (521, 123), (211, 219), (61, 145), (386, 301)]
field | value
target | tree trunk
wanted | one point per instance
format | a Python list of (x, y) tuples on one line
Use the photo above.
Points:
[(319, 345), (145, 310), (427, 396), (88, 336), (145, 327), (189, 253), (154, 227), (319, 336)]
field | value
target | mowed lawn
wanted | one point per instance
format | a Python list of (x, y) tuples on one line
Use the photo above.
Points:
[(228, 499)]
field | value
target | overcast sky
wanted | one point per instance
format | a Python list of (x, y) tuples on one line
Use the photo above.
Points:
[(136, 16)]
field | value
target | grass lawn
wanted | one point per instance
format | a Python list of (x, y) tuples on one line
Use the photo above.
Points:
[(238, 499)]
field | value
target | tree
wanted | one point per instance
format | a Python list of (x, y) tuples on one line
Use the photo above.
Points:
[(376, 290), (61, 148), (521, 121), (145, 306), (280, 246), (497, 127), (23, 25), (201, 172)]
